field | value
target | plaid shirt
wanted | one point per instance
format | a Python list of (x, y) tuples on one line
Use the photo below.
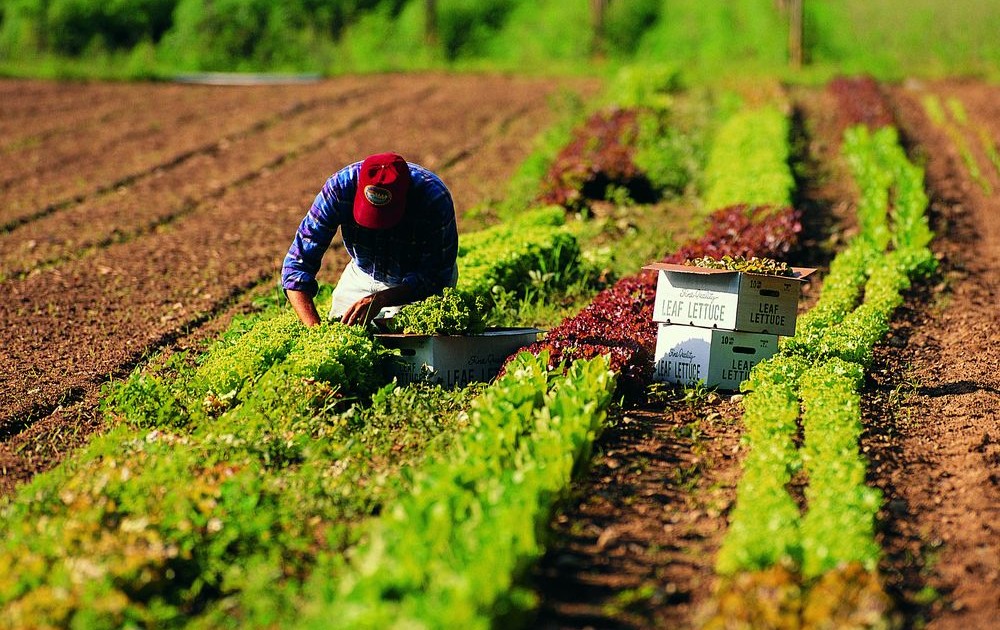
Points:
[(420, 251)]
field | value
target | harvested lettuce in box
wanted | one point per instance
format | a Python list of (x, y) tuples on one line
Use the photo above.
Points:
[(453, 312)]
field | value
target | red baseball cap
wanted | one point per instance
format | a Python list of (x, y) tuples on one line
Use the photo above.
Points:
[(383, 182)]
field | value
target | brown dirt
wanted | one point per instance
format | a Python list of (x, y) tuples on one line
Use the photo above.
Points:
[(136, 233), (636, 545), (934, 413)]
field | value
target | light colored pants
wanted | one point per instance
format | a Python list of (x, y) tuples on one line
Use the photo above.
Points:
[(355, 284)]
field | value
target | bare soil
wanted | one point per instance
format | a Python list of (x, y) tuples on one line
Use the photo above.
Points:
[(150, 223), (934, 414)]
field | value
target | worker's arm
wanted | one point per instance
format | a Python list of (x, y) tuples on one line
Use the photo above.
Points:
[(304, 307), (365, 309), (313, 237)]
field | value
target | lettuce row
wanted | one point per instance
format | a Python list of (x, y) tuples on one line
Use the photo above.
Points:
[(178, 393), (892, 247), (503, 257), (764, 524), (449, 553), (839, 526), (144, 526), (748, 163), (232, 473), (956, 133), (823, 367), (508, 256)]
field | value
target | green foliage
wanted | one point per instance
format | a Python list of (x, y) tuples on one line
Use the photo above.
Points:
[(673, 124), (892, 189), (78, 27), (236, 35), (953, 126), (823, 365), (651, 86), (539, 34), (839, 526), (452, 312), (465, 25), (760, 266), (534, 249), (176, 394), (671, 156), (361, 47), (150, 526), (448, 553), (763, 528), (714, 35), (841, 292), (153, 398), (626, 22), (75, 25), (231, 368), (748, 161), (837, 326), (888, 39), (854, 338), (326, 362), (125, 544)]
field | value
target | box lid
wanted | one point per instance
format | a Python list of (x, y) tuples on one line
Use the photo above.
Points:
[(799, 273), (489, 332)]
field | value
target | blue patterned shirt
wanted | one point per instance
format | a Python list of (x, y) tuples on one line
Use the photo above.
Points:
[(420, 251)]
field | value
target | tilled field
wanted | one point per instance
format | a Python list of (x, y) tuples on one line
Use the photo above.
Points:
[(136, 217), (133, 215)]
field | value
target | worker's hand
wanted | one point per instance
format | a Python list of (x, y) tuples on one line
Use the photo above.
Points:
[(364, 310)]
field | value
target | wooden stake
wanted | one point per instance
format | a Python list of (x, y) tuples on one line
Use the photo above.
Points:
[(430, 22), (795, 55), (598, 9)]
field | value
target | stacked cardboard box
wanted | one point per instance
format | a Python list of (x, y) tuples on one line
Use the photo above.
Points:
[(716, 324), (454, 360)]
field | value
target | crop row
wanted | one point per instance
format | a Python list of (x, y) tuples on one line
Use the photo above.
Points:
[(150, 524), (490, 260), (859, 101), (619, 320), (749, 163), (637, 149), (834, 327), (245, 468), (955, 122), (448, 554), (645, 146), (816, 380)]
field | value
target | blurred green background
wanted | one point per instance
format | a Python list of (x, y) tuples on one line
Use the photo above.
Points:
[(131, 39)]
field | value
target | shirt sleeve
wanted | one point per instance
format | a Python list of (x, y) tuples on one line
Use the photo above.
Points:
[(439, 244), (314, 235)]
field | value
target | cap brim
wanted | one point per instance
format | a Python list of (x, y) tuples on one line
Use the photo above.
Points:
[(377, 217)]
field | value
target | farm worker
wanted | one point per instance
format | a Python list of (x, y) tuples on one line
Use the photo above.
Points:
[(397, 221)]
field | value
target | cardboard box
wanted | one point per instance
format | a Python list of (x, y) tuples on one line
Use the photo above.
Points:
[(454, 360), (733, 300), (719, 358)]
